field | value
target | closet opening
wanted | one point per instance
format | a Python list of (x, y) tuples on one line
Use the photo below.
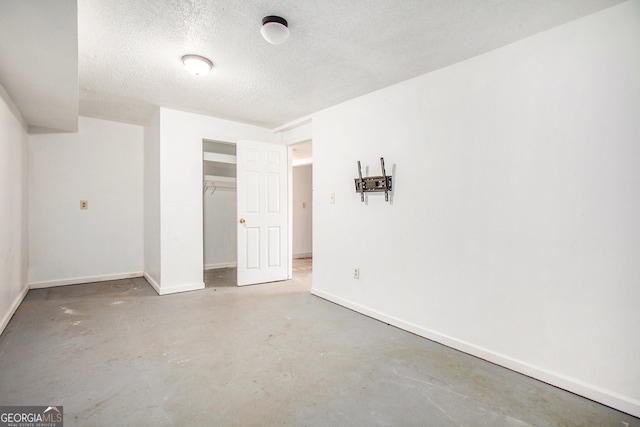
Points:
[(219, 206), (220, 211)]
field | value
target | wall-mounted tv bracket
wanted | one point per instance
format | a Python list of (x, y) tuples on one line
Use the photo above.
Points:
[(373, 184)]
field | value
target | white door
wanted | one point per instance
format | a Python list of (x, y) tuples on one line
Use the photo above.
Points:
[(262, 172)]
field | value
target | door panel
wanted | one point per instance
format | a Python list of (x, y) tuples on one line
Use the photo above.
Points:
[(273, 193), (252, 193), (262, 173), (273, 243), (252, 248)]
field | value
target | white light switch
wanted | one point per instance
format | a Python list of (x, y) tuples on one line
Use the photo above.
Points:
[(332, 198)]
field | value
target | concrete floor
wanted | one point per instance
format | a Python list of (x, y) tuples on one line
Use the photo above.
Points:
[(115, 353)]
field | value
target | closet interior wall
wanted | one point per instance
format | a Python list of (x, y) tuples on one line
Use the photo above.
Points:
[(219, 205)]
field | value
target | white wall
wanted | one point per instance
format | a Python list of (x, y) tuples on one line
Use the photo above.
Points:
[(514, 231), (13, 208), (220, 234), (181, 234), (152, 250), (302, 218), (103, 164)]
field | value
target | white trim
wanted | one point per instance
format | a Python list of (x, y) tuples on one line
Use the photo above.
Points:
[(14, 307), (152, 282), (173, 289), (181, 288), (305, 255), (220, 265), (590, 391), (290, 212), (86, 279), (302, 162), (293, 124)]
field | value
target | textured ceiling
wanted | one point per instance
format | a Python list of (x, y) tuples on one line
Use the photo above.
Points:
[(129, 50), (39, 60)]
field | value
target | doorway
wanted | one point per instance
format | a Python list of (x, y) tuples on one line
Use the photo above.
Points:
[(219, 204), (302, 201), (229, 169)]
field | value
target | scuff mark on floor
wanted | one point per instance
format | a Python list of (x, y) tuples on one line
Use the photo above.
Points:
[(68, 310)]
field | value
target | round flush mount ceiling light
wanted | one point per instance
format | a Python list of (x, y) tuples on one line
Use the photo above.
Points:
[(197, 65), (274, 29)]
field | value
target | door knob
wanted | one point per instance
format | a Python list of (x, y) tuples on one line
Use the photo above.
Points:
[(242, 221)]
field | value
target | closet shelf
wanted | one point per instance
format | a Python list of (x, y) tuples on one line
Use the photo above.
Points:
[(217, 157), (220, 178)]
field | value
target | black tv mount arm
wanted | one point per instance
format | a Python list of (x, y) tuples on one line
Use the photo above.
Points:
[(373, 184)]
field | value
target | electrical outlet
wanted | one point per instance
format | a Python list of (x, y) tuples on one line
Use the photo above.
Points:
[(356, 273), (304, 205), (84, 205), (332, 198)]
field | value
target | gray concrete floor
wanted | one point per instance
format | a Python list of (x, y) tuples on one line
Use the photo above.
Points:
[(115, 353)]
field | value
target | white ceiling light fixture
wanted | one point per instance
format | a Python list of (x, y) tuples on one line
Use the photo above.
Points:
[(275, 29), (197, 65)]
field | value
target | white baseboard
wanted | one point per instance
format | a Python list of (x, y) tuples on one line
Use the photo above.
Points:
[(87, 279), (173, 289), (14, 306), (590, 391), (305, 255), (181, 288), (152, 282), (220, 265)]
